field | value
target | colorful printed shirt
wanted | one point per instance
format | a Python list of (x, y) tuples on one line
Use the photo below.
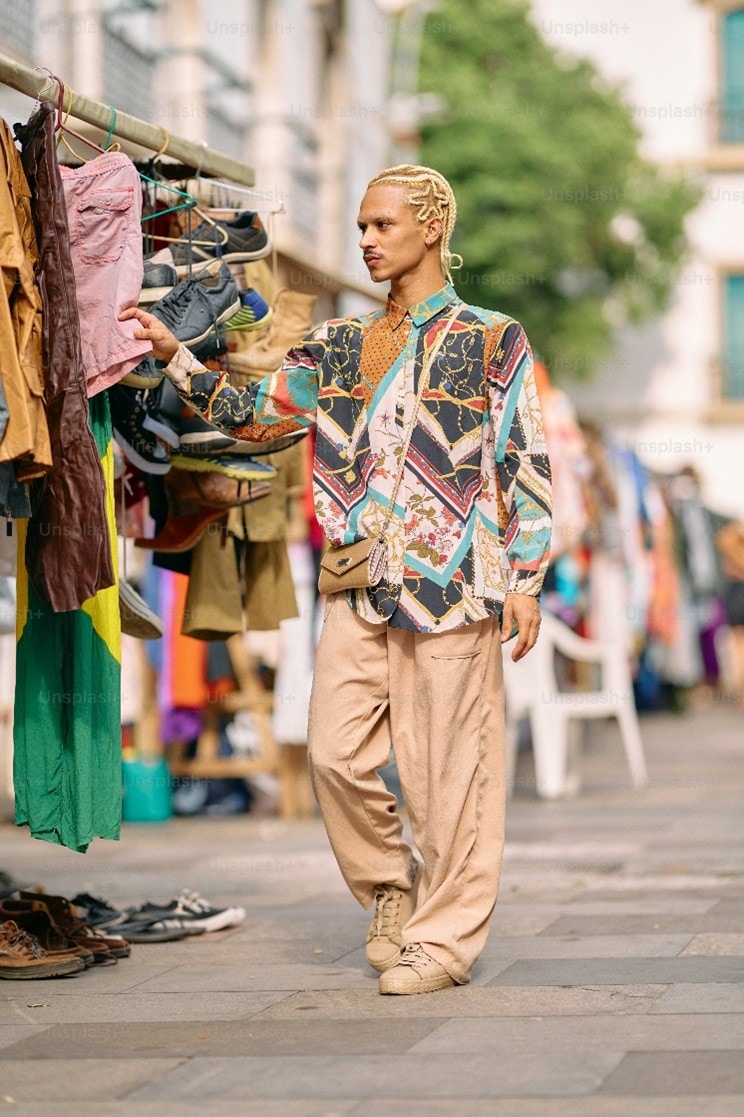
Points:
[(472, 518)]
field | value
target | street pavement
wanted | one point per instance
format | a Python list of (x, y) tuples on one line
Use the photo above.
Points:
[(612, 983)]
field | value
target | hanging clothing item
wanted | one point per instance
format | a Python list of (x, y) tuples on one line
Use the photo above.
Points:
[(68, 552), (67, 718), (104, 206), (25, 439)]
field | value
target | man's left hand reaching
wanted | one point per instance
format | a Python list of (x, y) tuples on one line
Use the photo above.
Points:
[(164, 344), (523, 611)]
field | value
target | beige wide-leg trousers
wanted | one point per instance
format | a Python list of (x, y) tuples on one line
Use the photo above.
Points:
[(439, 699)]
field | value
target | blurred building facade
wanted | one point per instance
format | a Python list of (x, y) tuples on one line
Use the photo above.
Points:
[(674, 388), (295, 88)]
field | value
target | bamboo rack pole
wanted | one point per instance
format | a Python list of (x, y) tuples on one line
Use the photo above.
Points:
[(150, 136)]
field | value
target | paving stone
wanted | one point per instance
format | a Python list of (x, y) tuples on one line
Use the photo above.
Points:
[(101, 1079), (619, 971), (246, 1107), (131, 1007), (466, 1076), (715, 944), (14, 1033), (653, 923), (235, 977), (594, 1106), (594, 946), (718, 997), (678, 1073), (595, 1033), (186, 1039), (471, 1001), (634, 905)]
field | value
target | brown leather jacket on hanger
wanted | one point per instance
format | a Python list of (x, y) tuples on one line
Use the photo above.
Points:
[(68, 553)]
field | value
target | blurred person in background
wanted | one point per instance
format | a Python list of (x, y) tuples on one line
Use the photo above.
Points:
[(415, 659), (730, 543)]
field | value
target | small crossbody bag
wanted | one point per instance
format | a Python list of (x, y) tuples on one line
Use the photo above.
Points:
[(357, 565)]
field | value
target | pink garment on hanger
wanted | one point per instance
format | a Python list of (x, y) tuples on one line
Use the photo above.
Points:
[(104, 205)]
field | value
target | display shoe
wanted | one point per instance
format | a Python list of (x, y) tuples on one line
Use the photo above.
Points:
[(415, 972), (145, 375), (22, 957), (292, 321), (254, 313), (197, 304), (242, 239), (393, 908), (181, 533), (137, 618), (211, 441), (237, 467), (140, 445), (157, 281), (214, 488), (37, 922)]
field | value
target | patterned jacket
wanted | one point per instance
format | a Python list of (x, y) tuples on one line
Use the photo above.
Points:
[(472, 519)]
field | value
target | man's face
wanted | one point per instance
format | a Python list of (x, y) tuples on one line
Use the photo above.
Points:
[(393, 242)]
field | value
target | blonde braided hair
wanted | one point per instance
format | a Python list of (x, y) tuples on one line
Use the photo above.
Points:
[(430, 195)]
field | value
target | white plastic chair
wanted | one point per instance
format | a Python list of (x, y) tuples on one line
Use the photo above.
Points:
[(532, 691)]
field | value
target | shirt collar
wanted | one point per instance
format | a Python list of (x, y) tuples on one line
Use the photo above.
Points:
[(423, 311)]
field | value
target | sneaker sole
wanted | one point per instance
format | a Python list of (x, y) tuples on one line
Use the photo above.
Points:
[(153, 294), (137, 459), (52, 969), (230, 312), (235, 447), (133, 380), (184, 270), (208, 465), (430, 985), (381, 967)]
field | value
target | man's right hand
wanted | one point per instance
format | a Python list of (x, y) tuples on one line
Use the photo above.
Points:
[(164, 344)]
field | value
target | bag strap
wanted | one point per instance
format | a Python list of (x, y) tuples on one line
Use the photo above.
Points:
[(423, 380)]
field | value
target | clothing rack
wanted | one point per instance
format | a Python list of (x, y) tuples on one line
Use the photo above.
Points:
[(43, 86)]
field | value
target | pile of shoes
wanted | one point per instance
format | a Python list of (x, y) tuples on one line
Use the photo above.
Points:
[(45, 936), (189, 914)]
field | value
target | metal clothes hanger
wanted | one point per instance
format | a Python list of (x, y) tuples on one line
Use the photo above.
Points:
[(61, 126)]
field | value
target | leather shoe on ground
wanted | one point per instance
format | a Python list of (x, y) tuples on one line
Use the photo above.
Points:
[(416, 972)]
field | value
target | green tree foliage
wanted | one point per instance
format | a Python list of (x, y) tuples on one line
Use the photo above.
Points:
[(562, 223)]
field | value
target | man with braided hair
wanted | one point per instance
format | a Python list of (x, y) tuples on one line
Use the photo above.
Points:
[(416, 659)]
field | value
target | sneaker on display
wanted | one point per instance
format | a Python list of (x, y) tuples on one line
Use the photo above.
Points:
[(157, 281), (196, 305), (241, 468), (139, 444), (145, 375), (254, 313), (243, 238), (198, 443)]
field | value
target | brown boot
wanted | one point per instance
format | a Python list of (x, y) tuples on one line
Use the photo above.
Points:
[(104, 948), (215, 489), (38, 923), (293, 319), (23, 957), (182, 532)]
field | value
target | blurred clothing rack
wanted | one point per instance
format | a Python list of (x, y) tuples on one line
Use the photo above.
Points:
[(150, 136)]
